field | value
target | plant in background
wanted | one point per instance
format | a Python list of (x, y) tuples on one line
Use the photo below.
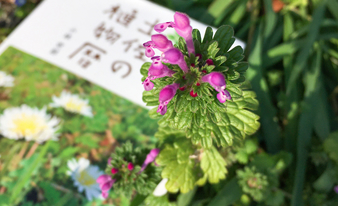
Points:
[(253, 183)]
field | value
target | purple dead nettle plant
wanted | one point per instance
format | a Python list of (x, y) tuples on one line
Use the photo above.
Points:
[(106, 181), (174, 56)]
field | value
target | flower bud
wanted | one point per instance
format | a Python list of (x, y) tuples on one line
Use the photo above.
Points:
[(114, 170), (130, 166)]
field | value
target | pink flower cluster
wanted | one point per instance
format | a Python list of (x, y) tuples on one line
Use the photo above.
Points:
[(174, 56)]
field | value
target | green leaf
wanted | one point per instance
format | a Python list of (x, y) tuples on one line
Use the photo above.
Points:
[(270, 19), (250, 146), (321, 121), (28, 172), (179, 168), (268, 111), (50, 193), (331, 5), (241, 69), (88, 140), (324, 183), (4, 200), (230, 193), (145, 68), (212, 50), (218, 6), (302, 57), (98, 123), (186, 198), (152, 200), (242, 157), (138, 200), (154, 114), (68, 153), (311, 81), (278, 52), (196, 35), (235, 55), (330, 146), (292, 100), (224, 37), (208, 35), (238, 13), (213, 166)]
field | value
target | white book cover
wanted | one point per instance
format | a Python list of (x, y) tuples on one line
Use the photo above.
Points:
[(99, 40)]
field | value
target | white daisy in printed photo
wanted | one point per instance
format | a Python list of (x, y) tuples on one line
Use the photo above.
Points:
[(31, 124), (6, 80), (72, 103), (84, 176)]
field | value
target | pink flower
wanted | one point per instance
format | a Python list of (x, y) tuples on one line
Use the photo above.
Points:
[(217, 80), (156, 70), (105, 183), (158, 41), (182, 26), (175, 56), (150, 158), (166, 94)]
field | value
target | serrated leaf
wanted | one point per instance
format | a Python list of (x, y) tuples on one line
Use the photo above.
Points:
[(241, 69), (213, 165), (149, 96), (220, 60), (212, 50), (194, 106), (236, 54), (224, 37), (196, 35), (179, 168), (208, 35), (183, 120), (154, 114), (180, 103), (145, 68), (182, 44)]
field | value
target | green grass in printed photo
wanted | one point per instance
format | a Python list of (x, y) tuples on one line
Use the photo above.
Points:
[(115, 120)]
